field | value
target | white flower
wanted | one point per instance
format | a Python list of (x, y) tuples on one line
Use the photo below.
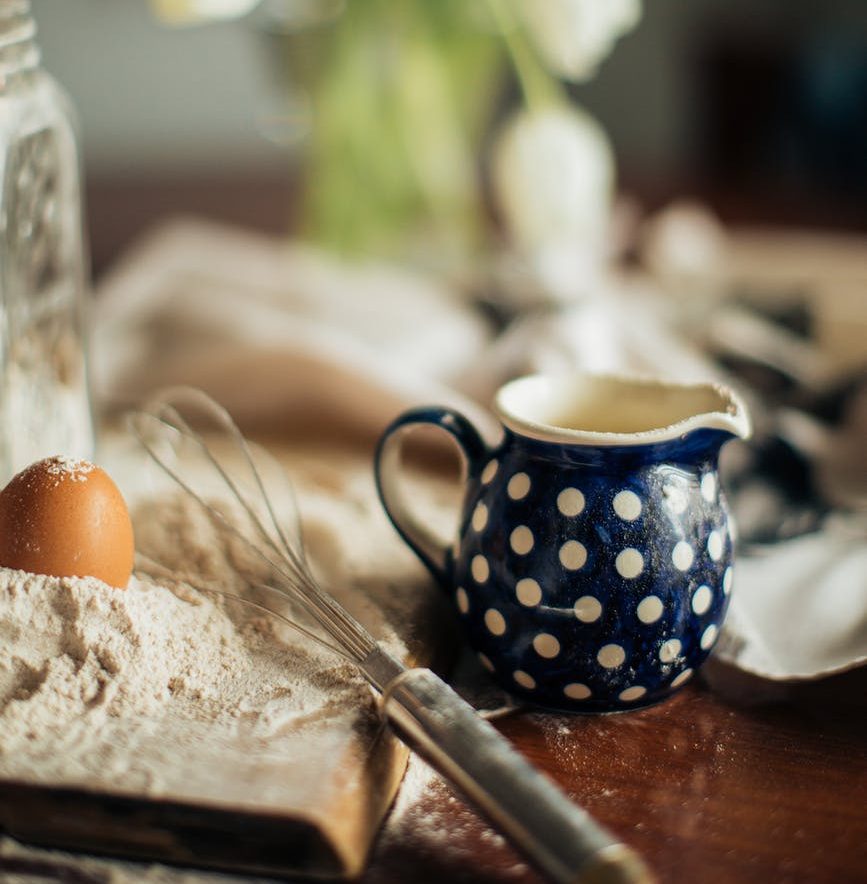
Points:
[(188, 12), (574, 36), (553, 178)]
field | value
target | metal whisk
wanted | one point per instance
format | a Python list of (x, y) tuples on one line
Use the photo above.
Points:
[(559, 838)]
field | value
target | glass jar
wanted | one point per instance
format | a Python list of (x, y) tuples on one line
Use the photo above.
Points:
[(44, 397)]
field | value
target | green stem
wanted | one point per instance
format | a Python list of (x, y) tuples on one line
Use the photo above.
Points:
[(538, 87)]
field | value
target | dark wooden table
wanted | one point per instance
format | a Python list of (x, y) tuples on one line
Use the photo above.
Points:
[(707, 790)]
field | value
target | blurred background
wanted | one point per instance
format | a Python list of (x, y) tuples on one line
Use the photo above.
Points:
[(757, 107)]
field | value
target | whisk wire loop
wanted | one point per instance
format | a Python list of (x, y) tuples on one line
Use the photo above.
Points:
[(287, 561)]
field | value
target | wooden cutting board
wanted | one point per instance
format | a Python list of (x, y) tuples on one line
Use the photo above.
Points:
[(300, 809), (307, 801)]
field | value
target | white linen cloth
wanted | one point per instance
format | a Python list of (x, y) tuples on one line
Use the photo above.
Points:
[(276, 332), (283, 335)]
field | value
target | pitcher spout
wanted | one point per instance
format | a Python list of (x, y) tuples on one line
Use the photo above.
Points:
[(731, 416)]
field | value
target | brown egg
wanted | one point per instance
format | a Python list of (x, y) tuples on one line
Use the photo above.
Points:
[(66, 518)]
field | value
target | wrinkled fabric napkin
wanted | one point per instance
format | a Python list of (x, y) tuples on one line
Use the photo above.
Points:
[(291, 339)]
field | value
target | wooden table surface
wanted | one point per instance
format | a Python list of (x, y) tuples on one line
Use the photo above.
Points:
[(707, 790)]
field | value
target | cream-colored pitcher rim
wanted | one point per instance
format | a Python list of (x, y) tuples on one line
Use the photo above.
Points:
[(517, 404)]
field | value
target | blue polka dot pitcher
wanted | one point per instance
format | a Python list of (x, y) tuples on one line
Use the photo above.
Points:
[(592, 568)]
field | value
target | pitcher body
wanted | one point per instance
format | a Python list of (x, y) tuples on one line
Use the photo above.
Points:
[(593, 564)]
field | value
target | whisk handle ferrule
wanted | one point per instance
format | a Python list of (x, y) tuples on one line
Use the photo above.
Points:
[(557, 836)]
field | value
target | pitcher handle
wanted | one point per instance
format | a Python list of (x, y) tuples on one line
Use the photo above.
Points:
[(433, 553)]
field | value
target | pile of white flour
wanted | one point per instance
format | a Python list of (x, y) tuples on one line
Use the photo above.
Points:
[(75, 653), (89, 673)]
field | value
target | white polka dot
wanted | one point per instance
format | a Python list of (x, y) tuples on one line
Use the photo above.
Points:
[(480, 516), (708, 637), (573, 555), (682, 556), (486, 662), (675, 499), (611, 656), (684, 676), (629, 563), (546, 645), (463, 600), (518, 486), (528, 591), (650, 609), (495, 621), (524, 679), (715, 545), (733, 529), (627, 505), (632, 693), (577, 691), (479, 568), (570, 501), (702, 599), (708, 487), (489, 471), (670, 650), (588, 609), (728, 578), (521, 540)]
